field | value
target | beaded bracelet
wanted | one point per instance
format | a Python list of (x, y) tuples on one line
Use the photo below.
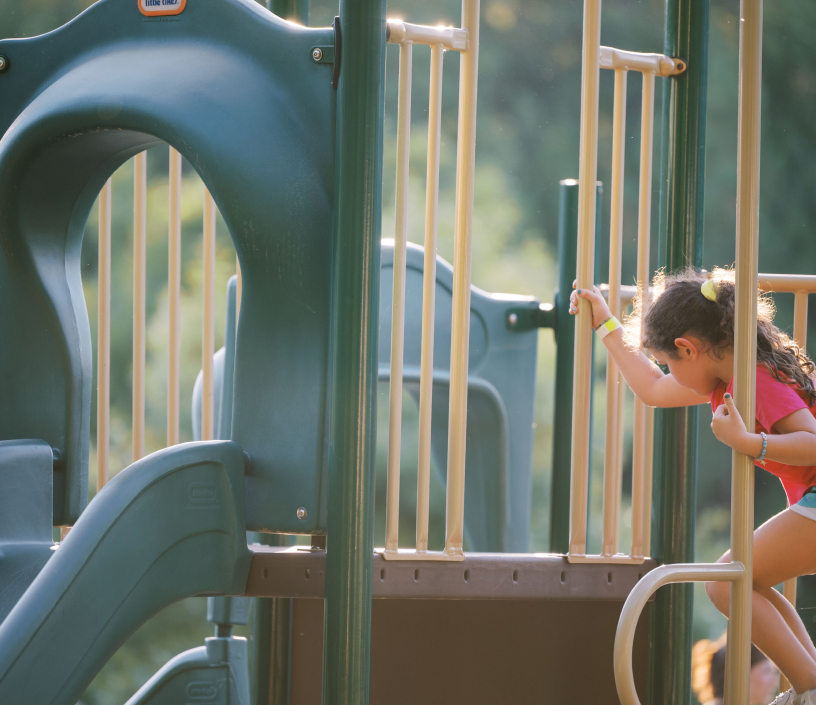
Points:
[(761, 458)]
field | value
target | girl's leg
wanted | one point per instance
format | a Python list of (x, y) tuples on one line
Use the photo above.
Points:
[(791, 617), (784, 547)]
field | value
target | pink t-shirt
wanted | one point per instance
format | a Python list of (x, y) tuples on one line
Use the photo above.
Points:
[(774, 401)]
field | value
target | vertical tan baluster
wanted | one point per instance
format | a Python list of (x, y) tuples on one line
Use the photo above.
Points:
[(208, 321), (587, 177), (647, 482), (800, 311), (738, 657), (174, 294), (639, 440), (103, 340), (463, 233), (621, 430), (614, 391), (398, 299), (428, 299), (619, 450), (139, 294)]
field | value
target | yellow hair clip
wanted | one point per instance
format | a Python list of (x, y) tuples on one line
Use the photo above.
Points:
[(709, 289)]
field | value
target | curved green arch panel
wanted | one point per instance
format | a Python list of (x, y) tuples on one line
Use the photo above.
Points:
[(235, 90)]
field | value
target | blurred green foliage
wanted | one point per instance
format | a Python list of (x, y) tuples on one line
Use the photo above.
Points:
[(528, 125)]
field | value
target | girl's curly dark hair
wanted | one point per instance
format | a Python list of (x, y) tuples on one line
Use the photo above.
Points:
[(677, 308)]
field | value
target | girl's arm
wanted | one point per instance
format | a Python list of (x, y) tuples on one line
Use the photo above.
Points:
[(644, 378), (793, 442)]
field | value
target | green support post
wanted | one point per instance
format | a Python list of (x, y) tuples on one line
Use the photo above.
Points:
[(293, 10), (680, 245), (356, 290), (564, 359)]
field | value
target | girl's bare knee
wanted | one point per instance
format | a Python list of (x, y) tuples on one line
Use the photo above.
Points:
[(718, 594)]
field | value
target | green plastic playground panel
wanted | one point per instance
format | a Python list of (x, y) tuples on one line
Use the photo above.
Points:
[(235, 90), (501, 398), (26, 507), (215, 674), (169, 526)]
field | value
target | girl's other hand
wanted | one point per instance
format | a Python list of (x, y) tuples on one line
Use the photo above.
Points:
[(600, 311), (728, 426)]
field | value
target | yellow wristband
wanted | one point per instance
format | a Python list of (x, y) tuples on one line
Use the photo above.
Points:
[(607, 327)]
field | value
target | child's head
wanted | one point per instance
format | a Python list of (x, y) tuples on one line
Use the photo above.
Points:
[(708, 673), (677, 308)]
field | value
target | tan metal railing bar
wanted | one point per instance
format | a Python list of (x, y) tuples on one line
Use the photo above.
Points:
[(800, 312), (399, 32), (139, 298), (398, 298), (208, 320), (639, 441), (657, 64), (174, 296), (648, 475), (619, 455), (587, 176), (738, 661), (614, 390), (632, 608), (465, 40), (788, 283), (460, 328), (429, 299), (103, 339)]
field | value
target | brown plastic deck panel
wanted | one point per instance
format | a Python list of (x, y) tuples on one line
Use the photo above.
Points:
[(493, 629)]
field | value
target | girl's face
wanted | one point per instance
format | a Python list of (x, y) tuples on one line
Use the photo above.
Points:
[(694, 368)]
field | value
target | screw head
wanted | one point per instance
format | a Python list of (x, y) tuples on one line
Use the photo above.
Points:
[(301, 513), (512, 319), (3, 63), (317, 53)]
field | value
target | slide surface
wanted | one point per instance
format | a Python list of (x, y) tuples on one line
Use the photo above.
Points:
[(169, 526)]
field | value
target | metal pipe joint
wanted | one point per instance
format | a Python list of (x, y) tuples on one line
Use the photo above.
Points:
[(399, 32), (658, 64)]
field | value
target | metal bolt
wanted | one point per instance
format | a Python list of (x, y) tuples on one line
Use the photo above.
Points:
[(513, 319), (3, 63), (301, 513), (317, 55)]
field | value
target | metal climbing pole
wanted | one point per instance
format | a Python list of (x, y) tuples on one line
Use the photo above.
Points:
[(358, 202), (680, 244)]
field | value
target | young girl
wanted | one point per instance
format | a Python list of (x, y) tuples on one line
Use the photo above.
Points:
[(689, 328)]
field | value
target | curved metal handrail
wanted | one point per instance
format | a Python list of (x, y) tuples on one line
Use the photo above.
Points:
[(625, 635)]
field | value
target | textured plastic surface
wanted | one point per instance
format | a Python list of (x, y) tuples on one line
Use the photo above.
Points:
[(26, 480), (501, 399), (215, 674), (235, 90), (167, 527)]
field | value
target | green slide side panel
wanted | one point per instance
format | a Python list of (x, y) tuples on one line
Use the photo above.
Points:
[(165, 528), (215, 674), (235, 90)]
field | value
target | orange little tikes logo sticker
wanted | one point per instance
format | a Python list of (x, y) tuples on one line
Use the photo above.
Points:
[(155, 8)]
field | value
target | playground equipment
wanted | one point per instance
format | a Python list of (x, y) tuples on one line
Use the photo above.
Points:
[(283, 123)]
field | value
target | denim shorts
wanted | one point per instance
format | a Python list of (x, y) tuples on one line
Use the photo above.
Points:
[(806, 506)]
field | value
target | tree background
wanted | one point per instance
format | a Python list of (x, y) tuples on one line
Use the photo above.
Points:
[(528, 125)]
